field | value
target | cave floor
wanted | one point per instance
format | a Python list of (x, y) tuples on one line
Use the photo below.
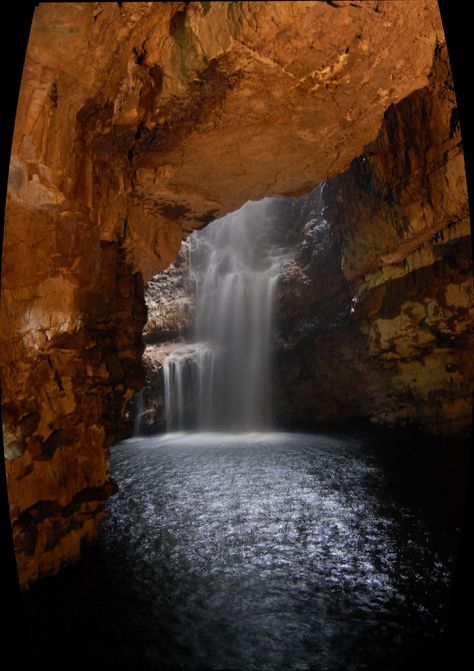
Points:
[(333, 550)]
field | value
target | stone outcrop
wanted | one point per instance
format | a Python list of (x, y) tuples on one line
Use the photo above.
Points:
[(166, 115), (406, 249), (170, 302), (65, 396), (137, 123), (384, 323)]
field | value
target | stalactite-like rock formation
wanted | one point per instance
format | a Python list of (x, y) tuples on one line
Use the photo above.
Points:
[(138, 122)]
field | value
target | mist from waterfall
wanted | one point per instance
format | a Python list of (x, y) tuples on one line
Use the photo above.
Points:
[(223, 379)]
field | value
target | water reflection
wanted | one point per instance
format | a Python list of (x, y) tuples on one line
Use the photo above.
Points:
[(271, 551)]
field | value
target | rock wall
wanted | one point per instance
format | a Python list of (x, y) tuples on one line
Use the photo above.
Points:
[(170, 302), (388, 333), (65, 395), (136, 123)]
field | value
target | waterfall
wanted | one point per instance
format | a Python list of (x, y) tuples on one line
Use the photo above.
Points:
[(139, 413), (223, 380)]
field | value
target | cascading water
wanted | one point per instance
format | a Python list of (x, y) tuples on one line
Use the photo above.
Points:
[(139, 412), (223, 381)]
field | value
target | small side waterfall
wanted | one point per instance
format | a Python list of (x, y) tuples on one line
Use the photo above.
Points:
[(139, 412), (223, 380), (188, 374)]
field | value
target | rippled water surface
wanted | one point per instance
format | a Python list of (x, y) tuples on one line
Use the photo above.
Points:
[(268, 551)]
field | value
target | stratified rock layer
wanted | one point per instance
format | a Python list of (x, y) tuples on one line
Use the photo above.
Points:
[(138, 122), (383, 324)]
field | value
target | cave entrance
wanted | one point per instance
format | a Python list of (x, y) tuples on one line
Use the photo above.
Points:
[(227, 501), (215, 318), (252, 549)]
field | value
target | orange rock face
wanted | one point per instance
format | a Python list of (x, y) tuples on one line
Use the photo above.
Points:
[(138, 122), (391, 291)]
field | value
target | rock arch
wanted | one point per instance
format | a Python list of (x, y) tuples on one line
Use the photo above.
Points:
[(139, 122)]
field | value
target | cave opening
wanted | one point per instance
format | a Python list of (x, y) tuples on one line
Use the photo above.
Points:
[(213, 319), (222, 378), (244, 519), (318, 530)]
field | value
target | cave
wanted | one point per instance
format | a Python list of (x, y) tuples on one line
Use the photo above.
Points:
[(139, 128)]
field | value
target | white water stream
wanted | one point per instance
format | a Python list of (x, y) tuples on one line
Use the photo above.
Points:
[(225, 375)]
